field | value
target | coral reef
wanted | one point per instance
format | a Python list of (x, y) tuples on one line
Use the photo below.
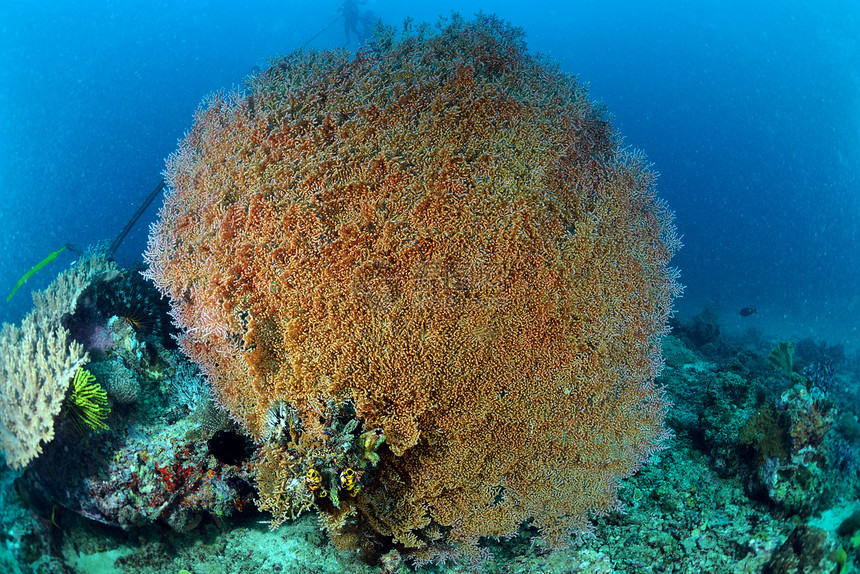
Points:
[(761, 475), (39, 359), (298, 469), (422, 395), (776, 429), (118, 452), (443, 233)]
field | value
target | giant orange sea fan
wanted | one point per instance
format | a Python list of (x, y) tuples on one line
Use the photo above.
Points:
[(443, 232)]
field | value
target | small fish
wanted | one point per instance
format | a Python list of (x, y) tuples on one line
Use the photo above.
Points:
[(747, 311)]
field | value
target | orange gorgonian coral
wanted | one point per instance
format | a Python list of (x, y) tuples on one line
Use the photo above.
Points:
[(444, 232)]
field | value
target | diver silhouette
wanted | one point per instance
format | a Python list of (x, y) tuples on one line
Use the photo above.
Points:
[(355, 22)]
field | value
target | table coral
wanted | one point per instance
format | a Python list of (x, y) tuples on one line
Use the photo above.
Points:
[(443, 233)]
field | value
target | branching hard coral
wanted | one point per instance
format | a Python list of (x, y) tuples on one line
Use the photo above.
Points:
[(443, 233)]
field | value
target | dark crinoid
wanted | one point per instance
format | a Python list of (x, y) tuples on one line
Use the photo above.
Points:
[(137, 301), (124, 294)]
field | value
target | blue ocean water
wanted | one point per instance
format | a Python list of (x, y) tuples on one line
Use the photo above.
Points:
[(749, 110)]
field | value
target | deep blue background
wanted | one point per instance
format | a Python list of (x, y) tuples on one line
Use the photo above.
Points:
[(749, 110)]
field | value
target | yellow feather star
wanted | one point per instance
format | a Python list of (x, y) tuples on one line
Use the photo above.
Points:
[(87, 402)]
